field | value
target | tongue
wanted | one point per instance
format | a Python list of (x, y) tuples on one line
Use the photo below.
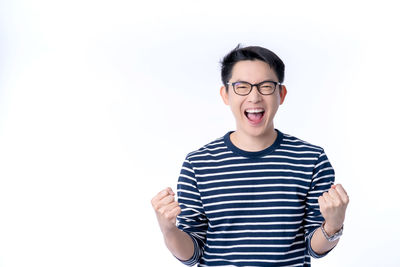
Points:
[(255, 117)]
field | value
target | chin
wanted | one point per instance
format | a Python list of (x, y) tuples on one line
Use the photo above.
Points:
[(261, 131), (256, 132)]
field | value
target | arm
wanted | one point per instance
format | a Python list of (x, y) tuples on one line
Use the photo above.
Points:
[(167, 209), (192, 219), (322, 178), (333, 206), (180, 244), (319, 243), (182, 223)]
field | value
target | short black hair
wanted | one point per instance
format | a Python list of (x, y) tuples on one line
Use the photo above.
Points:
[(240, 53)]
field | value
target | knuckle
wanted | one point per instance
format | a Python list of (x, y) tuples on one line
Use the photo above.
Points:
[(160, 208), (168, 216), (155, 206), (154, 202), (163, 212)]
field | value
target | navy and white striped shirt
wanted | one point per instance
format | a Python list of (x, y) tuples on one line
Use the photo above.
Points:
[(253, 208)]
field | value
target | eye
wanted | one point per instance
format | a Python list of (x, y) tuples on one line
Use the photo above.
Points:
[(241, 86), (267, 85)]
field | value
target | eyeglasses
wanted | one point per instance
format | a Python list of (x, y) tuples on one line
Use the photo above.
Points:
[(264, 88)]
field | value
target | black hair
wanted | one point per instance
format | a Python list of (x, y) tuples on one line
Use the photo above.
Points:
[(240, 53)]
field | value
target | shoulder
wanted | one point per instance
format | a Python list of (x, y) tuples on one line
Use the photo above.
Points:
[(302, 150), (213, 148), (293, 142)]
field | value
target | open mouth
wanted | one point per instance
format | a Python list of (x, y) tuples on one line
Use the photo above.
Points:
[(255, 115)]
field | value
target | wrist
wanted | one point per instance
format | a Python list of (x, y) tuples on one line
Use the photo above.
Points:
[(331, 230), (169, 230)]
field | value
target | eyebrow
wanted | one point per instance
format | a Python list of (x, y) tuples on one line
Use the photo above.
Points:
[(241, 81)]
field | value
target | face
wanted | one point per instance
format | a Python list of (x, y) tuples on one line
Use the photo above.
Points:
[(254, 113)]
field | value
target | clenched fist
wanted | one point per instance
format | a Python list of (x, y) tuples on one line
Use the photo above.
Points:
[(166, 208), (332, 205)]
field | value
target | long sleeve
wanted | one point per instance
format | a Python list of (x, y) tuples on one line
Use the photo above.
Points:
[(192, 219), (322, 179)]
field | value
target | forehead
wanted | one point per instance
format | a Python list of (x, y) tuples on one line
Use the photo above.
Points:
[(253, 71)]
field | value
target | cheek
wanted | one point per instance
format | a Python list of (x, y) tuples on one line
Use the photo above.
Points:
[(272, 106), (235, 105), (235, 110)]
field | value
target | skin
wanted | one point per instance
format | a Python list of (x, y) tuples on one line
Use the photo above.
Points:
[(167, 209), (332, 205), (247, 136), (250, 137)]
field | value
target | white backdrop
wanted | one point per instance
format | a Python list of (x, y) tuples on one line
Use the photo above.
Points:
[(100, 101)]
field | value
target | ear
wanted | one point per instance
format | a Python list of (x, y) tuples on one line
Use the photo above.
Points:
[(224, 94), (282, 94)]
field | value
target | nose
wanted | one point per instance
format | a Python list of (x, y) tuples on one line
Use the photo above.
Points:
[(254, 95)]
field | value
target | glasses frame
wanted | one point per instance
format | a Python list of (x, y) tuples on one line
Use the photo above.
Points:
[(257, 85)]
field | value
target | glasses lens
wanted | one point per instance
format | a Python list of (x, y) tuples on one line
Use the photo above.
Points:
[(267, 88), (242, 88)]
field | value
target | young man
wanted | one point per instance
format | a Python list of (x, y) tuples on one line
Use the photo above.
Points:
[(256, 196)]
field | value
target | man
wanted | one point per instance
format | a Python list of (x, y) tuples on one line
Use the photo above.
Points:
[(256, 196)]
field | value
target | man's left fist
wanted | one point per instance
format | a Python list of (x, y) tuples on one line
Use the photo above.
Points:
[(332, 205)]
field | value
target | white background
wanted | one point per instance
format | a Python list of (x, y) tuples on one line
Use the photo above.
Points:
[(100, 101)]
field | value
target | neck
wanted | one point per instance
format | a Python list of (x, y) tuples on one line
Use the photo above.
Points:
[(253, 143)]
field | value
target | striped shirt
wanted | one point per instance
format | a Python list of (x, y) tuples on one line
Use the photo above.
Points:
[(253, 208)]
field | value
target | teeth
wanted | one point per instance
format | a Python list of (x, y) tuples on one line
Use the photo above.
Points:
[(256, 110)]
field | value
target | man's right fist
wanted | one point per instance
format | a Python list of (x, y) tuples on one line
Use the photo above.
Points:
[(166, 208)]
